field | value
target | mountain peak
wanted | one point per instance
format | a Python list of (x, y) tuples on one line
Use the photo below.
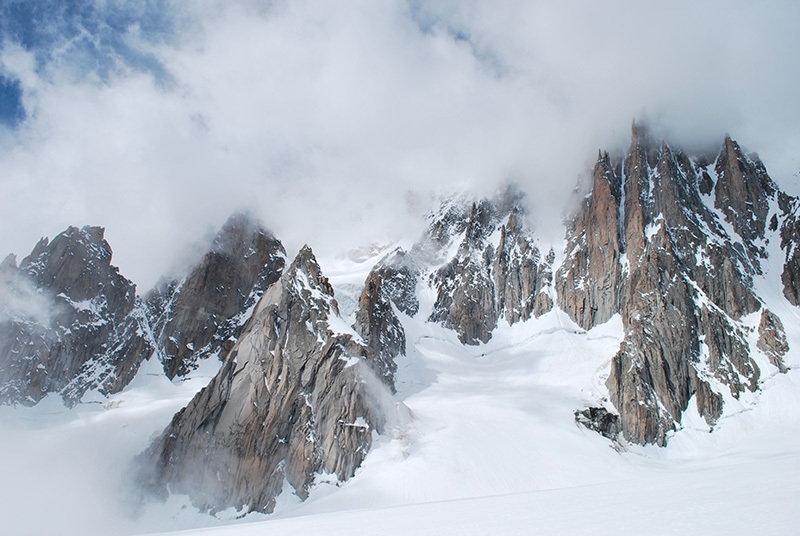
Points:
[(293, 399), (200, 315), (237, 233), (305, 274), (743, 190), (647, 245), (10, 262), (87, 338), (307, 262)]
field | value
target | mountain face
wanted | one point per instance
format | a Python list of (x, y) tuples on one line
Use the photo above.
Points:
[(672, 244), (202, 314), (70, 321), (495, 271), (297, 397), (677, 245), (391, 281)]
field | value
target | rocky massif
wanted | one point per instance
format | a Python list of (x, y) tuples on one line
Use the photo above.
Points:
[(70, 322), (297, 397), (672, 244)]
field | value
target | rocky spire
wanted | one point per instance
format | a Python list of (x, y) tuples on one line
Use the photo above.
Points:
[(497, 270), (646, 245), (743, 188), (202, 314), (71, 322), (296, 397), (594, 251)]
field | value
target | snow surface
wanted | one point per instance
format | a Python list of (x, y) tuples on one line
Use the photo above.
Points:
[(485, 443)]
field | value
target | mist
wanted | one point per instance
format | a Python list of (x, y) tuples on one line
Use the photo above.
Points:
[(19, 299), (339, 125)]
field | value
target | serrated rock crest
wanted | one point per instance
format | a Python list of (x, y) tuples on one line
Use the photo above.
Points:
[(650, 243), (202, 314), (497, 270), (80, 325), (294, 399)]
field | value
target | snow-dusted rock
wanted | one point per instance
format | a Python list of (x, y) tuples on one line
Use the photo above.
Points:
[(70, 321), (392, 281), (650, 243), (295, 398), (492, 266), (772, 338), (202, 314)]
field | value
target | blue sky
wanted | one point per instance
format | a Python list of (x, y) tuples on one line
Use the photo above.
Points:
[(92, 38), (338, 123), (91, 33)]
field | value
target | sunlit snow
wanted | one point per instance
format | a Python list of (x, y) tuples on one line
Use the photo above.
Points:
[(484, 442)]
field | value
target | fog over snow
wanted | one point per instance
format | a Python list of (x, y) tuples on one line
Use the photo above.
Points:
[(336, 122)]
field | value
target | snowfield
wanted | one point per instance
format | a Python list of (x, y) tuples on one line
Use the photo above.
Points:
[(483, 442)]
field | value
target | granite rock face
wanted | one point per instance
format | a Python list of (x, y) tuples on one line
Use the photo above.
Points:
[(392, 281), (202, 314), (790, 238), (772, 338), (490, 266), (672, 244), (297, 397), (596, 240), (70, 321)]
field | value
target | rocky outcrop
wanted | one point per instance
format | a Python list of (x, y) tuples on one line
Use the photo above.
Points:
[(495, 272), (648, 243), (790, 239), (71, 322), (600, 420), (295, 398), (202, 314), (594, 250), (772, 339), (392, 281)]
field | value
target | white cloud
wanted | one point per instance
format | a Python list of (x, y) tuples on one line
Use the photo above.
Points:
[(322, 117)]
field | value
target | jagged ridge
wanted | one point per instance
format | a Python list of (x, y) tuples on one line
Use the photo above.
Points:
[(496, 271), (650, 244), (295, 398), (82, 326)]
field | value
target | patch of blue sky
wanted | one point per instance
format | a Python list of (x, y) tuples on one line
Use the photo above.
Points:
[(430, 20), (12, 112), (94, 39)]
